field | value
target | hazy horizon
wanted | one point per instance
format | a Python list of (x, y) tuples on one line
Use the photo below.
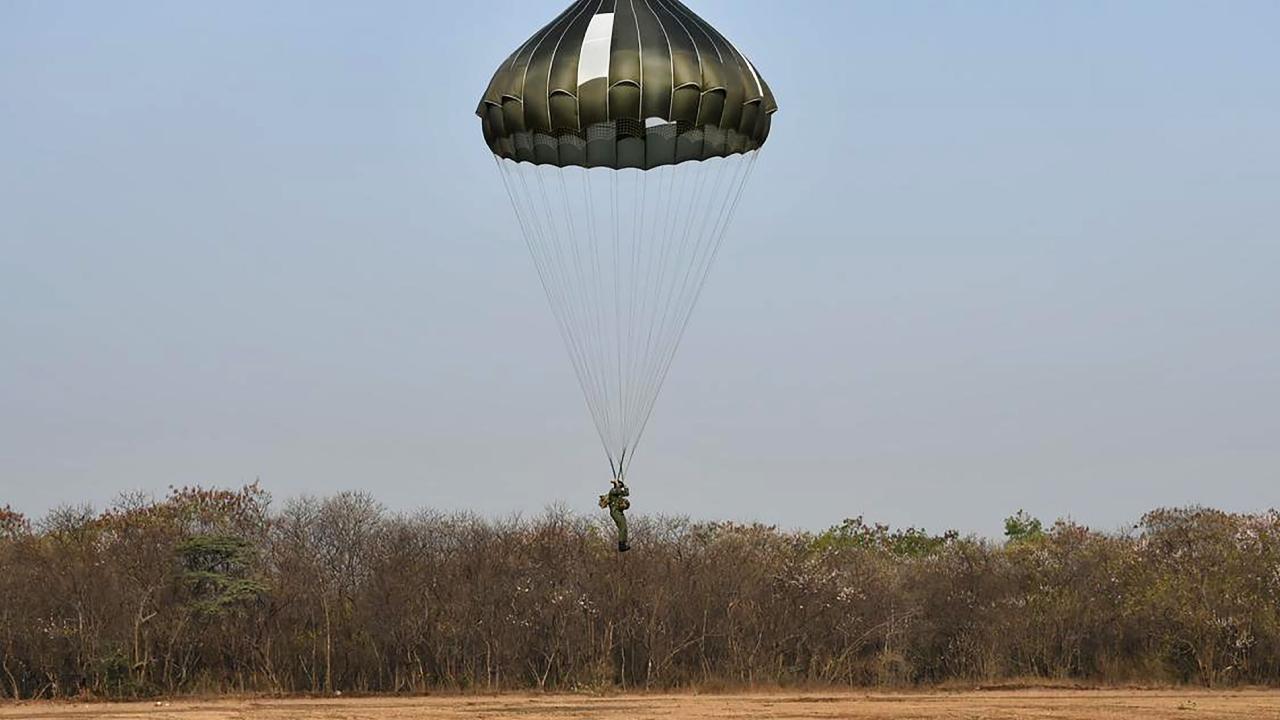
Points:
[(1034, 266)]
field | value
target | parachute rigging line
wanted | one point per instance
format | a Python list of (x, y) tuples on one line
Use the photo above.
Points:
[(623, 262)]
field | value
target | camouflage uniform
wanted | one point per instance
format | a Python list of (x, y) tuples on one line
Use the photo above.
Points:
[(617, 503)]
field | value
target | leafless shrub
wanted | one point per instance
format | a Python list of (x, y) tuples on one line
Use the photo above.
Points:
[(212, 590)]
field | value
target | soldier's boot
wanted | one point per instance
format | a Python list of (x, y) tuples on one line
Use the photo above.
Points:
[(623, 546)]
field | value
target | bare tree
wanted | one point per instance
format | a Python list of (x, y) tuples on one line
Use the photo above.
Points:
[(212, 590)]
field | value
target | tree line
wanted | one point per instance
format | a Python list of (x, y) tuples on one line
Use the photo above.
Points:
[(219, 591)]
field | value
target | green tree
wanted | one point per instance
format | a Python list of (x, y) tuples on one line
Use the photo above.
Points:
[(1021, 527), (216, 572)]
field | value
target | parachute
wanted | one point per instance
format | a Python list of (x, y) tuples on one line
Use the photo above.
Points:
[(624, 132)]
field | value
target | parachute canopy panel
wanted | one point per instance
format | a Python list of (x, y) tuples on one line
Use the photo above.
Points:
[(625, 84)]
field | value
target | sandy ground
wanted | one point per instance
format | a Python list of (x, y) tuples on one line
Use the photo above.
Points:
[(1022, 705)]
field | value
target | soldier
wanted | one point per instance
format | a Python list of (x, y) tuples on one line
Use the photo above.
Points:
[(617, 503)]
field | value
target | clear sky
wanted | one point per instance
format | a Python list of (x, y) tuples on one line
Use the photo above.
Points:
[(996, 255)]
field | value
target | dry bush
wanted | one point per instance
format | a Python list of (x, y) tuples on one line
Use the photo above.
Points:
[(213, 591)]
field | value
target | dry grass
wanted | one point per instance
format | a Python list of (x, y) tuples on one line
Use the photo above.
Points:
[(994, 705)]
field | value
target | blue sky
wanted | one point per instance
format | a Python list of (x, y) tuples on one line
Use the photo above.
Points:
[(996, 255)]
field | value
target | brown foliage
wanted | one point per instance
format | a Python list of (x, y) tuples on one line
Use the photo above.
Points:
[(210, 590)]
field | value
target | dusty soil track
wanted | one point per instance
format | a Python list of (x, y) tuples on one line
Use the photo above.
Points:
[(1022, 705)]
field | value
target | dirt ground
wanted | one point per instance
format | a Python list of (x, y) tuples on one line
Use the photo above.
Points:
[(1022, 705)]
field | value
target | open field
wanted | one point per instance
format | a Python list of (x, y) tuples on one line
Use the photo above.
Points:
[(1022, 705)]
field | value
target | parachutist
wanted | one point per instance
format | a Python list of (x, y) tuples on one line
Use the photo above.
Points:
[(617, 503), (624, 137)]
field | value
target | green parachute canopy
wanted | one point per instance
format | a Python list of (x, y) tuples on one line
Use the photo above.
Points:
[(625, 84), (592, 123)]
